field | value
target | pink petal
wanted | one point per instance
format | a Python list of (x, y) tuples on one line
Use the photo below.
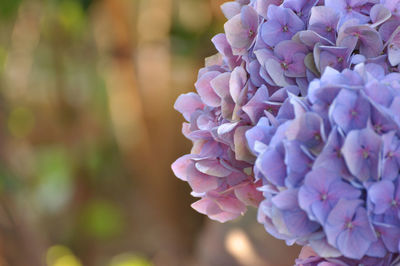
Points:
[(242, 152), (205, 90), (230, 9), (256, 105), (200, 182), (212, 167), (220, 84), (249, 194), (276, 72), (179, 167), (394, 48), (379, 14), (223, 217), (231, 204), (187, 104), (237, 81)]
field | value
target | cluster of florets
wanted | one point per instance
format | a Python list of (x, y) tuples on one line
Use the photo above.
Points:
[(274, 120), (225, 106), (308, 257), (330, 164)]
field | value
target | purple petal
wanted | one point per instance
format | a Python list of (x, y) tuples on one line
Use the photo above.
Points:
[(307, 129), (390, 236), (324, 21), (298, 223), (321, 209), (271, 29), (262, 6), (361, 151), (286, 200), (307, 196), (330, 157), (339, 189), (281, 25), (272, 166), (302, 8), (340, 214), (350, 110), (381, 195), (295, 158), (287, 49), (352, 244)]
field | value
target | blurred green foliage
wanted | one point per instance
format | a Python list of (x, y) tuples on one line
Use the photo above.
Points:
[(129, 260), (102, 219), (20, 122), (60, 163), (54, 178), (8, 8), (71, 15)]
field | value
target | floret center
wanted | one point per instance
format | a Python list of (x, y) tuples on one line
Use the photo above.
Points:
[(285, 28), (378, 128), (324, 197), (251, 33), (349, 225)]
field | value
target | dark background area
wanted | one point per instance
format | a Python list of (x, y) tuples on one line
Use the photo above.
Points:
[(88, 133)]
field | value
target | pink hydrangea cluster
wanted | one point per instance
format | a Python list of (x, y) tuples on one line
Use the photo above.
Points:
[(308, 257)]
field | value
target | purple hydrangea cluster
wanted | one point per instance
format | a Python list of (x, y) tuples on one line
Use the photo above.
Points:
[(299, 110), (330, 164)]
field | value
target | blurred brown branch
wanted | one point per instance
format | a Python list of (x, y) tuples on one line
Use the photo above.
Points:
[(145, 134)]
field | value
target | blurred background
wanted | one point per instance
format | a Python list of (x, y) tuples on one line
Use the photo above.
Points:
[(88, 133)]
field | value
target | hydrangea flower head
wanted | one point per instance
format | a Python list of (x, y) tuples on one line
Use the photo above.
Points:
[(298, 114), (337, 165)]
